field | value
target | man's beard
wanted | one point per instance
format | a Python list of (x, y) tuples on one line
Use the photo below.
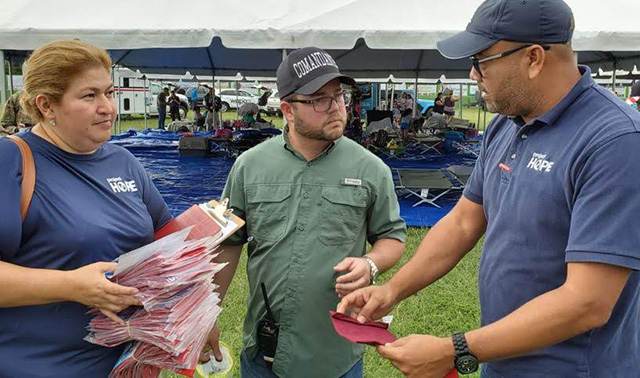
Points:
[(320, 133), (514, 98)]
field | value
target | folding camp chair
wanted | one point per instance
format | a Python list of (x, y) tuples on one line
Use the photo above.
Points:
[(461, 173), (422, 183), (427, 143), (465, 147)]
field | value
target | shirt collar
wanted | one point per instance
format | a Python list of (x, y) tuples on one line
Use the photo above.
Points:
[(582, 85), (554, 113)]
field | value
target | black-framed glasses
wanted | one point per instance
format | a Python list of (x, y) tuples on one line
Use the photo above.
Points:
[(476, 62), (323, 104)]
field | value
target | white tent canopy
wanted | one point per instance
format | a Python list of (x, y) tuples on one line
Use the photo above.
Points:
[(369, 38)]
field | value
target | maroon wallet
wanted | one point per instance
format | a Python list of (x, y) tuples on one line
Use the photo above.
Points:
[(371, 333)]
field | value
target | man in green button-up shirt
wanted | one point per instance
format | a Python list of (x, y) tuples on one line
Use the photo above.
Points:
[(312, 200)]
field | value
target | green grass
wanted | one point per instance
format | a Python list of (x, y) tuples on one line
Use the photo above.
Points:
[(447, 306)]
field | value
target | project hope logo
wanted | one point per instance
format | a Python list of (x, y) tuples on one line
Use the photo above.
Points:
[(118, 185), (540, 163)]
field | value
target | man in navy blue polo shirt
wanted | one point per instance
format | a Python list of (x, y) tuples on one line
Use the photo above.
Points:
[(555, 191)]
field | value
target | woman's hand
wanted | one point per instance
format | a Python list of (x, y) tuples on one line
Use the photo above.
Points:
[(89, 286)]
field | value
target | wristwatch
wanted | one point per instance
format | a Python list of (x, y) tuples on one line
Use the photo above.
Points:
[(465, 362), (374, 269)]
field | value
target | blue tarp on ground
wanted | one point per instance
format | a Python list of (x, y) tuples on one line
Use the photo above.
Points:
[(184, 181)]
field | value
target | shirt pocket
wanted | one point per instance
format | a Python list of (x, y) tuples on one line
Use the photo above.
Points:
[(343, 214), (267, 210)]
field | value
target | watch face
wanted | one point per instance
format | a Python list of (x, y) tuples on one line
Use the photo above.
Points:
[(467, 364)]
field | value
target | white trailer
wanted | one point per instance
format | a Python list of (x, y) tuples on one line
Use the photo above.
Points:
[(135, 94)]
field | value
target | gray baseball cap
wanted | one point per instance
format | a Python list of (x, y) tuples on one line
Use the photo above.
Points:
[(528, 21), (306, 70)]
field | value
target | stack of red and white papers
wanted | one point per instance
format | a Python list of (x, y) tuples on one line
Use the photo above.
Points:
[(179, 306)]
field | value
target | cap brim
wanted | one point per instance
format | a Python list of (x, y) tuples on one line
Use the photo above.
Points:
[(464, 45), (314, 85)]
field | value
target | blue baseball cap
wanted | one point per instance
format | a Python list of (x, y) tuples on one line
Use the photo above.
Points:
[(528, 21)]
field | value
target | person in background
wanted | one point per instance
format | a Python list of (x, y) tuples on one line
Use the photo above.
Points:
[(635, 88), (555, 193), (174, 106), (162, 107), (438, 104), (409, 103), (248, 118), (402, 102), (92, 202), (13, 116), (213, 104), (198, 118), (405, 124), (193, 97), (449, 103)]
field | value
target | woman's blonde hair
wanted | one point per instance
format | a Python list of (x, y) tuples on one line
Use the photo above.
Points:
[(51, 69)]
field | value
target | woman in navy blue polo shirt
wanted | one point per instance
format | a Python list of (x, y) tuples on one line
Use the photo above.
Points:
[(92, 202)]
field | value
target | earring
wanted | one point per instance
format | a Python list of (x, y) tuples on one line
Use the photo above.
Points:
[(52, 122)]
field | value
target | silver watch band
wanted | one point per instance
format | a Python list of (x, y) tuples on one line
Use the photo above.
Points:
[(374, 269)]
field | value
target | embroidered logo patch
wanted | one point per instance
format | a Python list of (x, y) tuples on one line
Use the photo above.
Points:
[(540, 163), (118, 185)]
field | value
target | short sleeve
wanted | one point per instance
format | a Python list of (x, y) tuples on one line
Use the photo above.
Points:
[(10, 192), (384, 221), (605, 218), (234, 191)]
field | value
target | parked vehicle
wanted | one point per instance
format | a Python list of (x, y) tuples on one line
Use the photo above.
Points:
[(273, 105), (232, 99), (132, 95)]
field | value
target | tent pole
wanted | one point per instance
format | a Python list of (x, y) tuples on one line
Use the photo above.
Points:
[(415, 99), (284, 120), (119, 104), (478, 123), (10, 77), (393, 92), (613, 78), (460, 102), (3, 88), (113, 67), (145, 89), (213, 119), (237, 105)]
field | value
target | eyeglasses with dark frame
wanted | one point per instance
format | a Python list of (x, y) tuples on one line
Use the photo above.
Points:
[(323, 104), (476, 62)]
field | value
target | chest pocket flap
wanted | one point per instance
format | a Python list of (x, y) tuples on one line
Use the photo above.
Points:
[(267, 211), (344, 214)]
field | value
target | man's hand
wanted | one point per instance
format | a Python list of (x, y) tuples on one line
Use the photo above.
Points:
[(421, 356), (358, 275), (369, 303), (89, 286), (213, 341)]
